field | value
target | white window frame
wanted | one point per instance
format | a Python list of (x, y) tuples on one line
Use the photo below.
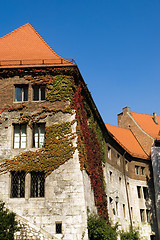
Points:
[(20, 136)]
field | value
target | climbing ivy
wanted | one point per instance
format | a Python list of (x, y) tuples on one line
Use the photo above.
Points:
[(59, 138)]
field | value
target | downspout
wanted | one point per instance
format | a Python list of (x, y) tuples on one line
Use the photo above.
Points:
[(129, 208)]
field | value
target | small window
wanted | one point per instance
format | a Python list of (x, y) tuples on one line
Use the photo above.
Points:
[(131, 212), (120, 181), (20, 136), (109, 153), (143, 171), (148, 215), (118, 160), (110, 176), (21, 93), (39, 93), (142, 215), (37, 184), (124, 211), (152, 237), (139, 191), (39, 135), (17, 184), (137, 170), (145, 193), (117, 208), (58, 228)]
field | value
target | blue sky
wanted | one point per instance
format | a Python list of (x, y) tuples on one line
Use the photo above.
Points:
[(115, 43)]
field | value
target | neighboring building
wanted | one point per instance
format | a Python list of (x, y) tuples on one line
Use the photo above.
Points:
[(56, 151)]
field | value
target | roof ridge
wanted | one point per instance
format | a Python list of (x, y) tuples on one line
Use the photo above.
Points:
[(144, 114)]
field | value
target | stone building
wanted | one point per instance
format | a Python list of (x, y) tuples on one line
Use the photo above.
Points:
[(56, 151)]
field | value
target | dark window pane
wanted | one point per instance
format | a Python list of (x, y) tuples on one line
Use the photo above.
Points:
[(25, 92), (58, 228), (37, 184), (36, 93), (17, 184), (145, 192), (18, 94), (43, 93)]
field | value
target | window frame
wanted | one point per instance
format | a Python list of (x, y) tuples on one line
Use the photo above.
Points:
[(40, 88), (22, 88), (109, 152), (36, 185), (142, 215), (57, 224), (17, 184), (39, 127), (137, 170), (20, 135)]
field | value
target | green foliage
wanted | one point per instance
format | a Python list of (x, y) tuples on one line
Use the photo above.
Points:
[(60, 89), (130, 235), (57, 150), (98, 229), (8, 224)]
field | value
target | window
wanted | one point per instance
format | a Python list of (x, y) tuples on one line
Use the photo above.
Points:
[(17, 184), (21, 93), (117, 208), (137, 170), (58, 228), (37, 184), (142, 215), (143, 171), (19, 136), (110, 176), (148, 215), (145, 193), (109, 153), (118, 160), (124, 211), (139, 191), (39, 135), (131, 212), (120, 181), (152, 237), (38, 93)]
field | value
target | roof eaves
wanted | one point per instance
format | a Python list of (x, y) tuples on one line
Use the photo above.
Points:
[(145, 156)]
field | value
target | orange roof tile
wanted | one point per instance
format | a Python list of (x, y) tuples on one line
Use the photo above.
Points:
[(146, 122), (127, 140), (26, 47)]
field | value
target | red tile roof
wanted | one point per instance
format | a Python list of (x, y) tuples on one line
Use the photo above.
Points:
[(26, 47), (127, 140), (146, 122)]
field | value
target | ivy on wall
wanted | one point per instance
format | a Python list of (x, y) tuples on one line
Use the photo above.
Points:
[(58, 149), (59, 139)]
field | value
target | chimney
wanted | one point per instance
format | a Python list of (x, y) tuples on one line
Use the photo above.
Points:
[(155, 117), (120, 115), (126, 109)]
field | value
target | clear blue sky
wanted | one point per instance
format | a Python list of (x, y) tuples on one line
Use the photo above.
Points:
[(115, 43)]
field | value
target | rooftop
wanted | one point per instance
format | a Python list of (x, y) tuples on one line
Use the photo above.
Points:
[(25, 47), (127, 140), (147, 123)]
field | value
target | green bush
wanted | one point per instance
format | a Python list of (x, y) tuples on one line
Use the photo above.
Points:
[(130, 235), (8, 224), (98, 229)]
